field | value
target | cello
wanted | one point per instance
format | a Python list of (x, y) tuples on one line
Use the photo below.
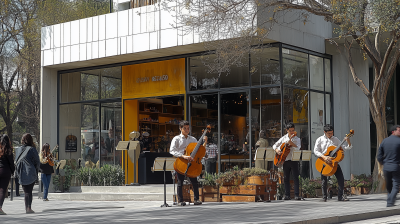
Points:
[(195, 150), (285, 148), (336, 153)]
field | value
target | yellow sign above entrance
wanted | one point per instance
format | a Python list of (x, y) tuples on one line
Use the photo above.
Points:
[(153, 79)]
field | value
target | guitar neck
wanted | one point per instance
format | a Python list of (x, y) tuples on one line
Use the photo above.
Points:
[(338, 147), (198, 144)]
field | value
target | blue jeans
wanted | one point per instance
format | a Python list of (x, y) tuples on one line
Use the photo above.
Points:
[(46, 183)]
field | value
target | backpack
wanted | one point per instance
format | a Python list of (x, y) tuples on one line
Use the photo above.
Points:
[(18, 164)]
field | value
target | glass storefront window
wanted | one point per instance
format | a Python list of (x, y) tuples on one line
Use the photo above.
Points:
[(86, 85), (264, 66), (199, 77), (316, 73), (111, 82), (296, 111), (89, 86), (238, 75), (328, 109), (266, 120), (235, 137), (328, 87), (70, 87), (204, 111), (111, 122), (295, 68)]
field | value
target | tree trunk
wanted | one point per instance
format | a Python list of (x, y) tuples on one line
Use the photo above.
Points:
[(10, 132), (381, 133)]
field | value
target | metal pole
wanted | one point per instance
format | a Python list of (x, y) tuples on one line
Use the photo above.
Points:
[(111, 6), (12, 188)]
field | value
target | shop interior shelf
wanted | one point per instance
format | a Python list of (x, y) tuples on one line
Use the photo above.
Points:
[(170, 115), (148, 112)]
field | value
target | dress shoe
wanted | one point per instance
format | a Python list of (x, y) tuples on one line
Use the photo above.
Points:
[(343, 199), (297, 198), (30, 211), (197, 202), (182, 203), (2, 212), (287, 198), (46, 199), (323, 200)]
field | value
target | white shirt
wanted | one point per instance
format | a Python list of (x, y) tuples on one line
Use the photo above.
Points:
[(322, 143), (285, 139), (179, 143)]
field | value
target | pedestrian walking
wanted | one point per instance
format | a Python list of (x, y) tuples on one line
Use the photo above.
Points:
[(389, 157), (46, 169), (6, 168), (27, 166)]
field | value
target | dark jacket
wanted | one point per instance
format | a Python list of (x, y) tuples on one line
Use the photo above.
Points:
[(7, 161), (389, 153), (46, 168), (29, 167)]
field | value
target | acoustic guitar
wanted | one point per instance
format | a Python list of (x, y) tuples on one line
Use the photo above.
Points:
[(197, 151), (49, 156), (336, 153), (285, 149)]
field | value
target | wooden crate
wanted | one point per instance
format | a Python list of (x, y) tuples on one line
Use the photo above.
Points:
[(211, 197), (243, 190), (210, 189), (185, 193), (239, 198)]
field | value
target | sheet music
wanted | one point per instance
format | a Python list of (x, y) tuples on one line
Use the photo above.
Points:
[(159, 164)]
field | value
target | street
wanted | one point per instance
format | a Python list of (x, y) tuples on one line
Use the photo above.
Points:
[(309, 211)]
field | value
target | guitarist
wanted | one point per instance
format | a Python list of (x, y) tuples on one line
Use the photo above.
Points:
[(289, 165), (320, 148), (177, 149), (45, 168)]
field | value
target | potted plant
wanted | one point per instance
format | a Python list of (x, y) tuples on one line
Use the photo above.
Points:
[(256, 176), (364, 183), (210, 190), (307, 188), (233, 177), (317, 185)]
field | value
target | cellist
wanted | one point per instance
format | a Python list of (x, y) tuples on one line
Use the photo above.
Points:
[(289, 165), (177, 149), (321, 145)]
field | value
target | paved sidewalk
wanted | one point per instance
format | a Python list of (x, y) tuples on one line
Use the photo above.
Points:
[(309, 211)]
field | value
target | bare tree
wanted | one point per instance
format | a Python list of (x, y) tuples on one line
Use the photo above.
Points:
[(361, 23)]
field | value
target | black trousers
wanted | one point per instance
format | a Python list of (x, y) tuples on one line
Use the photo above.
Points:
[(392, 179), (340, 179), (294, 167), (195, 185), (211, 165), (28, 194), (5, 176), (16, 180)]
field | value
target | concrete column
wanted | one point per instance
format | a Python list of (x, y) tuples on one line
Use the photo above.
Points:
[(48, 107)]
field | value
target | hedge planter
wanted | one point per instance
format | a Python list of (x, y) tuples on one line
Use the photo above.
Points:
[(210, 189), (257, 180), (356, 190), (243, 190)]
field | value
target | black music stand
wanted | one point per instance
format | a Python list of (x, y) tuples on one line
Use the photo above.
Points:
[(164, 164), (301, 155)]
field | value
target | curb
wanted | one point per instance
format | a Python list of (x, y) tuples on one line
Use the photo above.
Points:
[(350, 217)]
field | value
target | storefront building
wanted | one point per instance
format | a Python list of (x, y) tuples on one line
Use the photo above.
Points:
[(99, 84)]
